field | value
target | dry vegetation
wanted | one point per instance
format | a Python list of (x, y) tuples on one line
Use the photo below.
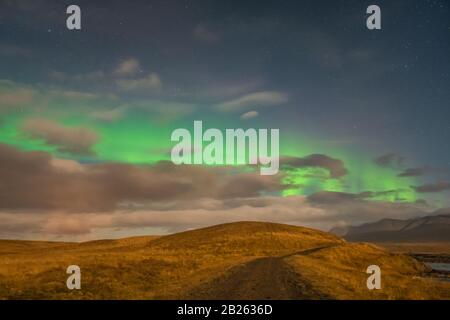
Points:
[(339, 272), (417, 248), (176, 265)]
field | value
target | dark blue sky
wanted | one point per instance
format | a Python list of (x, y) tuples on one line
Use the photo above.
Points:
[(389, 87), (364, 115)]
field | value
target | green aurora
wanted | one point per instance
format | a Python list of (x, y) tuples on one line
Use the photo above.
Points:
[(138, 140)]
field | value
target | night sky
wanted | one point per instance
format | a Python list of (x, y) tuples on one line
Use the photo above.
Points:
[(86, 115)]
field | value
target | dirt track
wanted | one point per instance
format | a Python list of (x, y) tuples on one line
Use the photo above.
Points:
[(260, 279)]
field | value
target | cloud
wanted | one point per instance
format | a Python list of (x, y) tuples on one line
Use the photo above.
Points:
[(16, 97), (433, 187), (336, 167), (127, 76), (220, 90), (124, 70), (203, 34), (80, 77), (76, 140), (164, 111), (38, 181), (249, 115), (110, 115), (253, 100), (128, 67), (329, 198), (100, 107), (357, 209), (390, 160), (393, 194), (74, 96), (13, 96), (151, 83), (415, 172), (49, 198), (187, 214), (339, 197)]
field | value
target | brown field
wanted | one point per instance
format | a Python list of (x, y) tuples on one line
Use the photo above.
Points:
[(417, 248), (245, 260)]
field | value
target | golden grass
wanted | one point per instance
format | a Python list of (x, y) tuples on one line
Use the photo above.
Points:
[(426, 247), (340, 273), (169, 266)]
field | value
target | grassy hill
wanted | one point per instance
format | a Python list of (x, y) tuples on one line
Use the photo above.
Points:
[(248, 260)]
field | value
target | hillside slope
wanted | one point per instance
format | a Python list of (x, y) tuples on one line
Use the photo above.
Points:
[(245, 260)]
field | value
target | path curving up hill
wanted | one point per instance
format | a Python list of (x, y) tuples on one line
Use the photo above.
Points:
[(260, 279)]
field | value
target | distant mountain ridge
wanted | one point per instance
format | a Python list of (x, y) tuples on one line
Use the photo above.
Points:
[(434, 228)]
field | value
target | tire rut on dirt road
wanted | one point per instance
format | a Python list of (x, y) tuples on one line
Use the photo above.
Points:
[(270, 278)]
